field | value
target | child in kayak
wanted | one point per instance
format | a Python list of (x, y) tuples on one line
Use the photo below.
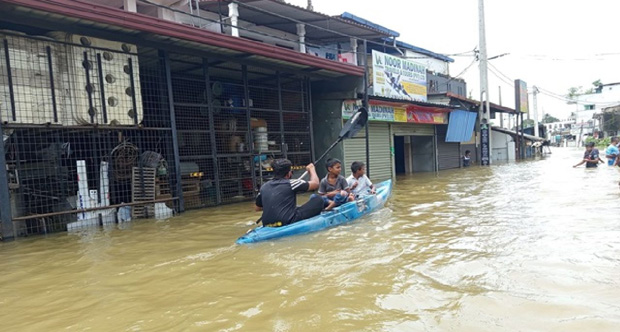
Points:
[(359, 183), (334, 188)]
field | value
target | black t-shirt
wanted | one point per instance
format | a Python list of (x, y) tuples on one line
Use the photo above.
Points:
[(278, 198), (592, 155)]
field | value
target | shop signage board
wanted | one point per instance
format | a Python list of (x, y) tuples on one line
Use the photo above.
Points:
[(521, 96), (397, 78), (393, 112), (484, 145)]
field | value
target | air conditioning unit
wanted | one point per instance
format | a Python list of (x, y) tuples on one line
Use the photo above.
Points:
[(83, 78), (30, 80)]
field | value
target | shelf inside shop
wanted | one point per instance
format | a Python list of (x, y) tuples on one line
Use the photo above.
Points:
[(233, 155), (232, 131), (194, 157), (193, 131), (257, 153), (295, 133), (182, 104), (274, 110), (235, 179)]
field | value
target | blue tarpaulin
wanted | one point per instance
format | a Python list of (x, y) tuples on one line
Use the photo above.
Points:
[(461, 126)]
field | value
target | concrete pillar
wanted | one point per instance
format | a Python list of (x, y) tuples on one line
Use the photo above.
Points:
[(301, 33), (354, 50), (130, 6), (165, 14), (233, 14)]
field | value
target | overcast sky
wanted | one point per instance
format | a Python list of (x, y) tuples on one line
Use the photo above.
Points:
[(553, 44)]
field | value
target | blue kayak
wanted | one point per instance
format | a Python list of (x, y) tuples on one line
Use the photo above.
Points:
[(341, 215)]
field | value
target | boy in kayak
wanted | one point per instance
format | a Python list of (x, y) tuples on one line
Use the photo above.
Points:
[(278, 197), (334, 189), (590, 157), (358, 181)]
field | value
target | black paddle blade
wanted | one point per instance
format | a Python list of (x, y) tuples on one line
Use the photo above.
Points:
[(355, 123)]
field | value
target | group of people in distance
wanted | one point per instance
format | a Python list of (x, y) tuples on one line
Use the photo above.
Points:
[(278, 198), (591, 157)]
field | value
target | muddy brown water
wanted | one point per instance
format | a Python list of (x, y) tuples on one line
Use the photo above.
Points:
[(523, 246)]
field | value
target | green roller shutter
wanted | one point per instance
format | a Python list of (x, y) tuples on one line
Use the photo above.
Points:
[(380, 151)]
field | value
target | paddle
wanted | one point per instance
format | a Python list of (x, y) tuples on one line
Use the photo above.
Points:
[(355, 124)]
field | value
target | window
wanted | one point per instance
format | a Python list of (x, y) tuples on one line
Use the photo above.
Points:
[(589, 107)]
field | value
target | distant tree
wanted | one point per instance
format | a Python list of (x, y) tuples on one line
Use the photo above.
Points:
[(578, 91), (527, 123), (547, 118)]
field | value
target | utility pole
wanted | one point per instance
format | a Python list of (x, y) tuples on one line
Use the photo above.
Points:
[(484, 111), (535, 100)]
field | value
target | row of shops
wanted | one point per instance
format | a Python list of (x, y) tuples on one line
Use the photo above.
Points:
[(108, 115)]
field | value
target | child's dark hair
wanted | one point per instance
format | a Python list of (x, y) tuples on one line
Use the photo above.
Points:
[(356, 166), (281, 167), (590, 145), (467, 152), (331, 162)]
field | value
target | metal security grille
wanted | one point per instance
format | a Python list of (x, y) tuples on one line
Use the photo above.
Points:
[(98, 132), (79, 114), (232, 120)]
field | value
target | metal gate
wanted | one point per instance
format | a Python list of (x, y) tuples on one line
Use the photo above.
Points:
[(448, 154), (95, 129), (380, 151)]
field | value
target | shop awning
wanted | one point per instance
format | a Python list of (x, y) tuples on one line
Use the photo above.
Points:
[(284, 16), (114, 24), (461, 126)]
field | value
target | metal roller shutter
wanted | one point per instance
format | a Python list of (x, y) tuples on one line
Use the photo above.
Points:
[(448, 154), (380, 151), (412, 129)]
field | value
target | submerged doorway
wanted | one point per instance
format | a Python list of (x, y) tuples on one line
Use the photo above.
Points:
[(413, 154), (423, 152)]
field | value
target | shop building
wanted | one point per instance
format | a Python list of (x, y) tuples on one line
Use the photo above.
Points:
[(109, 115)]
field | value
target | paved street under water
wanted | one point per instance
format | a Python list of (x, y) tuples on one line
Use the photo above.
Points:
[(526, 246)]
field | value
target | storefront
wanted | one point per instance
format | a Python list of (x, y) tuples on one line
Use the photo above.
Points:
[(402, 137), (101, 126)]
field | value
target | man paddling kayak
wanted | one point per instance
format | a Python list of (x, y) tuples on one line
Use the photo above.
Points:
[(278, 197)]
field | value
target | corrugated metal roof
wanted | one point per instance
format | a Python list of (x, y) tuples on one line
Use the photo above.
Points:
[(437, 107), (494, 107), (285, 16), (150, 28), (512, 133), (461, 126), (351, 17), (420, 50)]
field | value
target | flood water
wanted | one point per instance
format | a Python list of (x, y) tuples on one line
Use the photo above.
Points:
[(527, 246)]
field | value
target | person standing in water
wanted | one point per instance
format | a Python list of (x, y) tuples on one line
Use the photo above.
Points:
[(612, 151), (467, 158), (590, 157)]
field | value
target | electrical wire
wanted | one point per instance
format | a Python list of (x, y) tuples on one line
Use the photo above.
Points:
[(455, 77)]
